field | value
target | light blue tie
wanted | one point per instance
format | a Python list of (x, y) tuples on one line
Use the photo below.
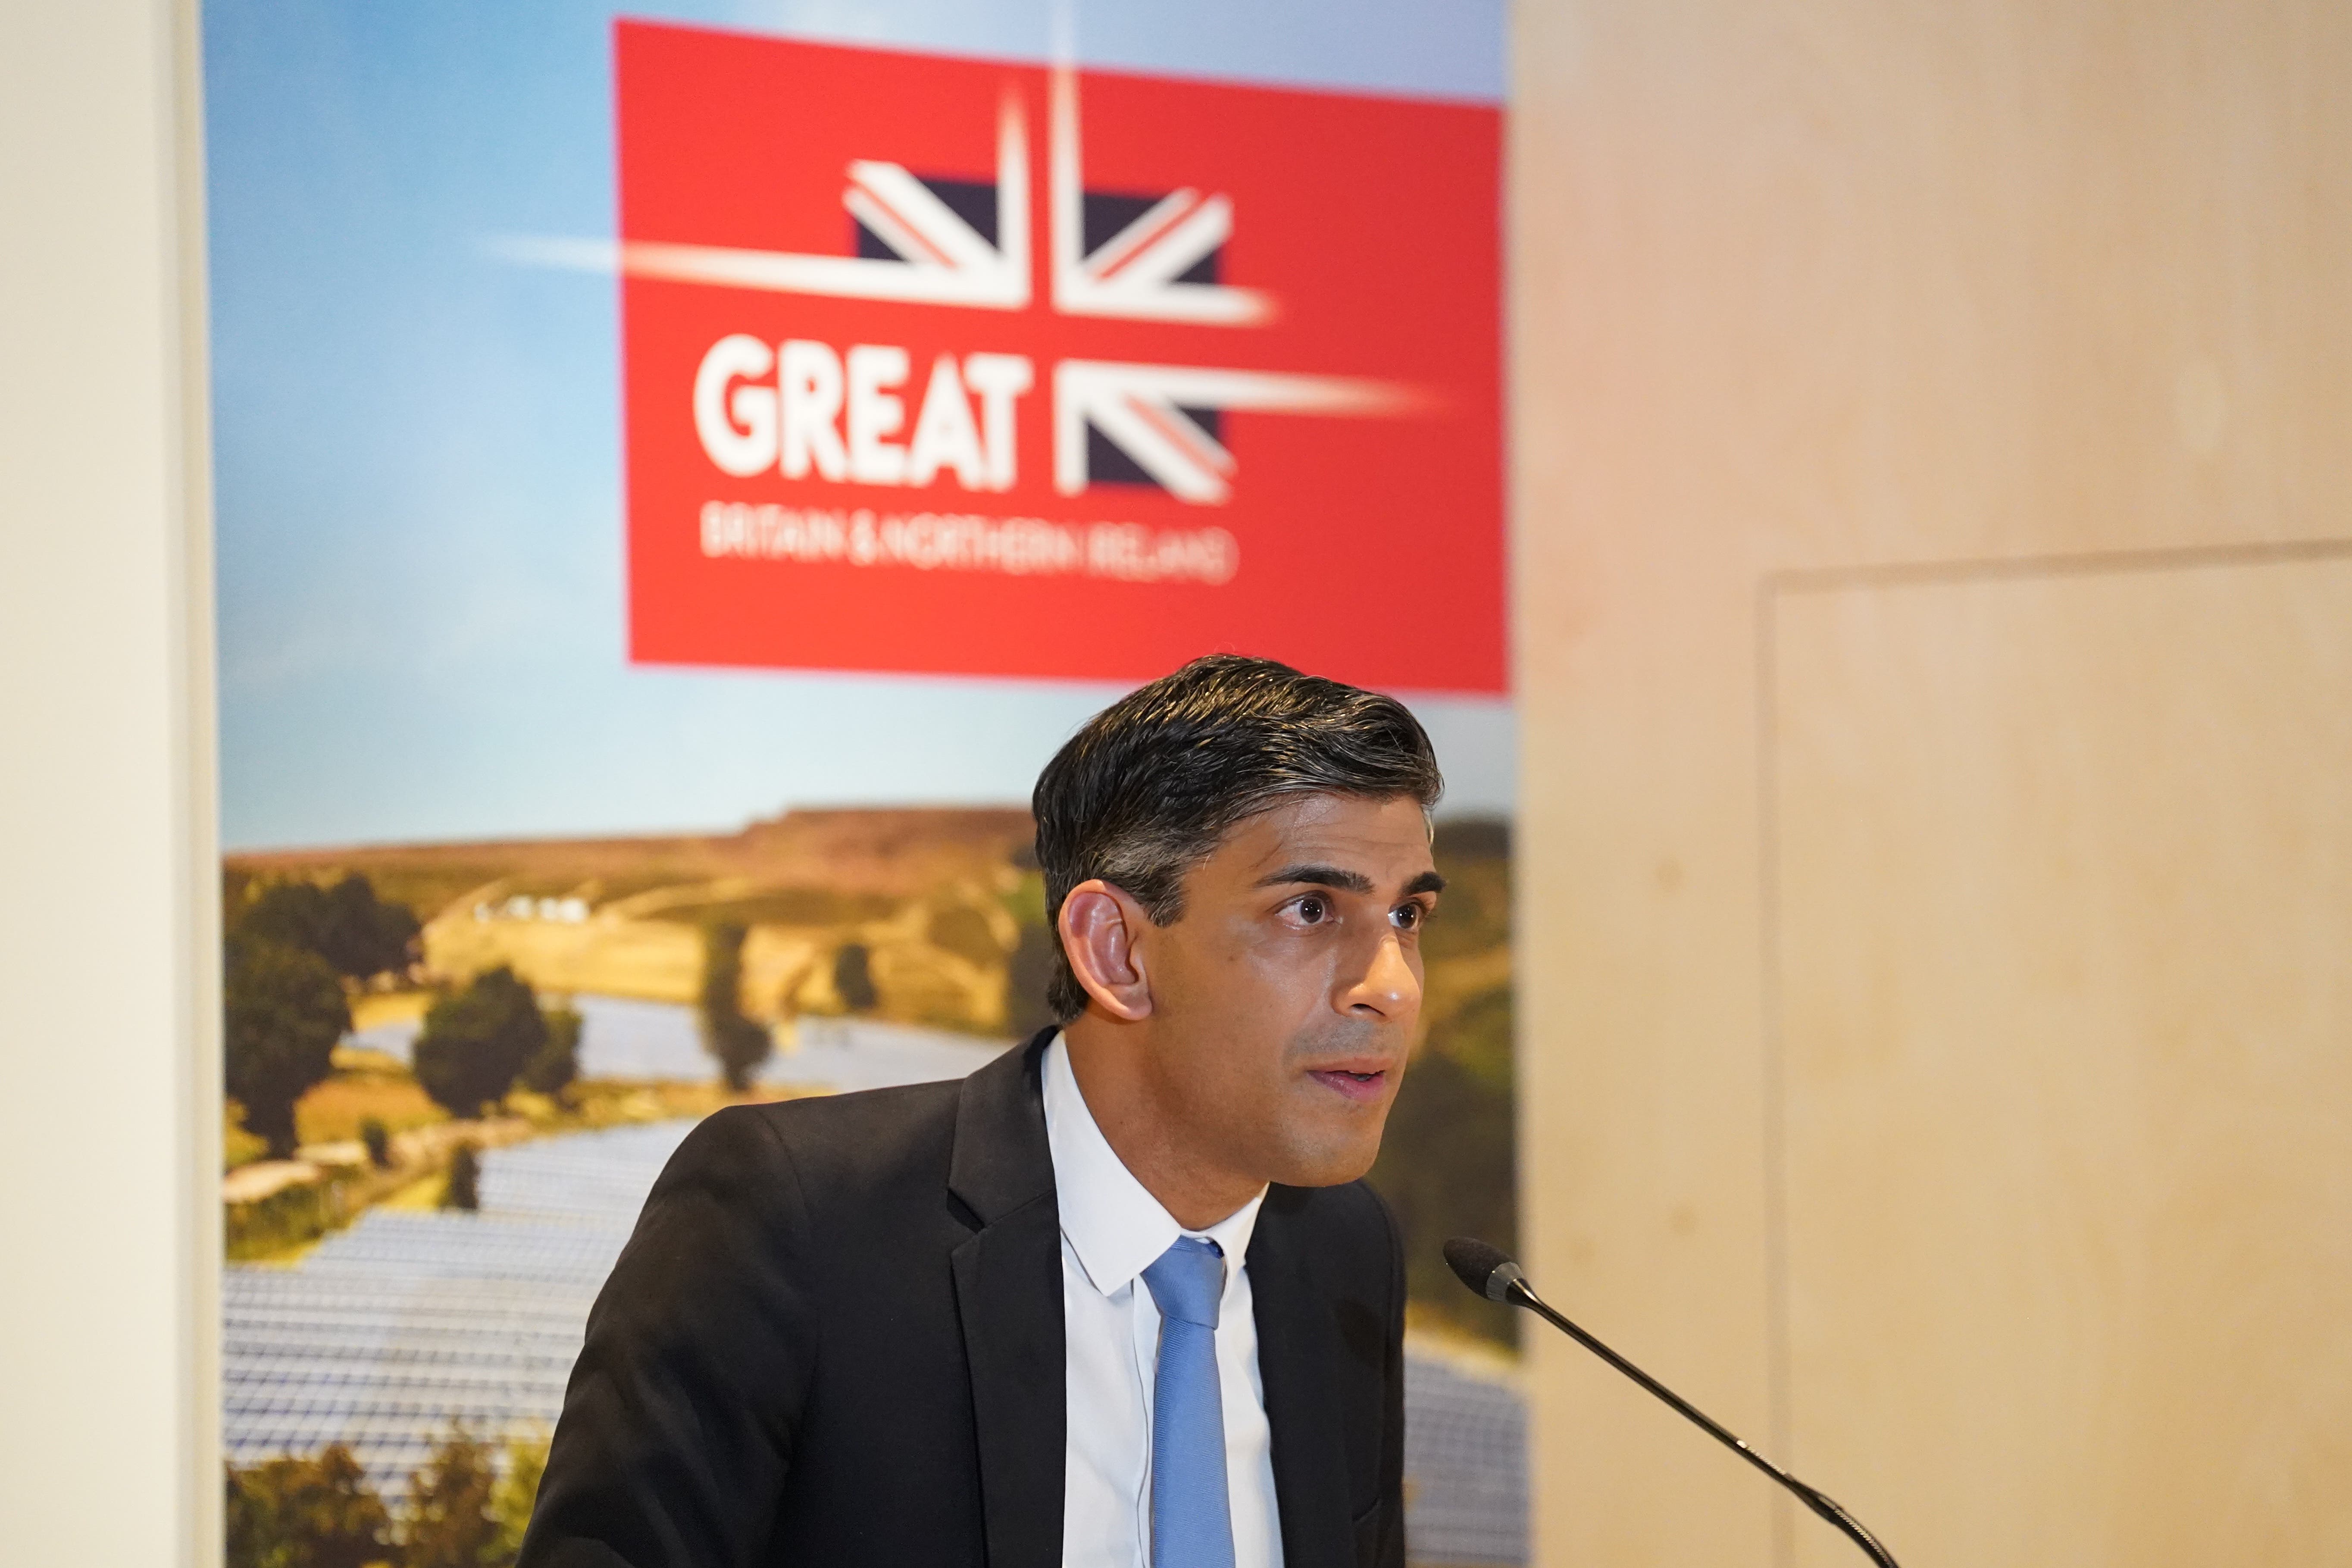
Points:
[(1192, 1526)]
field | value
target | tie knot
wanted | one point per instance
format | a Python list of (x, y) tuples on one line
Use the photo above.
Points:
[(1187, 1279)]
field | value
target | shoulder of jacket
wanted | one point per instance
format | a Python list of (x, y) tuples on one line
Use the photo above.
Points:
[(859, 1138)]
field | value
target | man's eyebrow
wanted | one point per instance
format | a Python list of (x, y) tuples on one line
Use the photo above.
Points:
[(1319, 876), (1347, 880)]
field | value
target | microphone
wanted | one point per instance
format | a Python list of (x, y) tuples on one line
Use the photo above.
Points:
[(1485, 1271)]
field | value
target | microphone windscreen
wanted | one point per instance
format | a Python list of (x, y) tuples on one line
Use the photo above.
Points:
[(1474, 1262)]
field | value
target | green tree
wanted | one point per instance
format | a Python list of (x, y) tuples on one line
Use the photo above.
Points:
[(1448, 1163), (552, 1068), (305, 1514), (283, 1011), (739, 1044), (463, 1190), (346, 924), (477, 1041), (1029, 971), (853, 977), (517, 1491), (450, 1524)]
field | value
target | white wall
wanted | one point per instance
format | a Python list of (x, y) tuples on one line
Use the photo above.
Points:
[(106, 809)]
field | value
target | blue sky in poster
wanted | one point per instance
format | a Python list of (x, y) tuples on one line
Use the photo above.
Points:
[(418, 445)]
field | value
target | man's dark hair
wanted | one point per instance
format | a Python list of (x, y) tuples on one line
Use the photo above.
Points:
[(1147, 789)]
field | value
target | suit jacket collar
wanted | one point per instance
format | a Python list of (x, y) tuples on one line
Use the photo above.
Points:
[(1008, 1283), (1294, 1353), (1001, 1161), (1008, 1278)]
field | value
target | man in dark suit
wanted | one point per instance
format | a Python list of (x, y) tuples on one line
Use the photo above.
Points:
[(1119, 1297)]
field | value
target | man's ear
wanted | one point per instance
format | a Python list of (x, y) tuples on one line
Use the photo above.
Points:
[(1098, 925)]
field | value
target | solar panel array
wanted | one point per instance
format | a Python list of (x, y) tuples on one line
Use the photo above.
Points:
[(1466, 1462), (391, 1331)]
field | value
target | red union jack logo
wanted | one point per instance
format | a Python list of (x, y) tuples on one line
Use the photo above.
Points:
[(942, 242), (1158, 264), (851, 316), (926, 247)]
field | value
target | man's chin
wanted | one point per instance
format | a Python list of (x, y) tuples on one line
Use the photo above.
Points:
[(1335, 1161)]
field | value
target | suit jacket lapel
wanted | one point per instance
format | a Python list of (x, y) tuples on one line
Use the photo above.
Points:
[(1293, 1351), (1008, 1282)]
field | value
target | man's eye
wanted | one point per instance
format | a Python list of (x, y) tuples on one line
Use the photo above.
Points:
[(1312, 909), (1408, 916)]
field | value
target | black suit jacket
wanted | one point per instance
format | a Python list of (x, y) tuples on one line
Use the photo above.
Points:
[(835, 1339)]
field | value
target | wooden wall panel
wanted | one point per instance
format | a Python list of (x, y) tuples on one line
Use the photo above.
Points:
[(1805, 288), (2065, 932)]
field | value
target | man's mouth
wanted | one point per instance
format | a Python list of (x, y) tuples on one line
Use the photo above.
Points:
[(1364, 1087)]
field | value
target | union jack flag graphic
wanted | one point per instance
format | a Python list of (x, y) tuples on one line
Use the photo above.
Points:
[(927, 248), (920, 353), (1163, 418), (940, 241), (1157, 263)]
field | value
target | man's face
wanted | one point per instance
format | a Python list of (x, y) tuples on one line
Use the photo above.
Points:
[(1284, 998)]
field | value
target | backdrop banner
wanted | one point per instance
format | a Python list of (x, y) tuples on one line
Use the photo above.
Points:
[(922, 351), (677, 487)]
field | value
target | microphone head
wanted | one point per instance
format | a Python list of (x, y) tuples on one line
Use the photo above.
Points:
[(1482, 1267)]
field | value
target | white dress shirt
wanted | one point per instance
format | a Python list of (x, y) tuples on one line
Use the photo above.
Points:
[(1113, 1229)]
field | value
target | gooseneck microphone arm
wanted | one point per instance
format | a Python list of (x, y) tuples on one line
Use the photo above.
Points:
[(1487, 1271)]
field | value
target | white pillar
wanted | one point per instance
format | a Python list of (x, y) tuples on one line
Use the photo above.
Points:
[(108, 1054)]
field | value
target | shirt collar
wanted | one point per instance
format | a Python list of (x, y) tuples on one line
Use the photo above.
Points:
[(1113, 1223)]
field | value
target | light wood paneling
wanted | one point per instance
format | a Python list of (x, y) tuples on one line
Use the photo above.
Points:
[(1799, 286), (2066, 950)]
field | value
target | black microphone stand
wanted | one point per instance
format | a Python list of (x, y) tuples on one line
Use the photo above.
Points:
[(1503, 1282)]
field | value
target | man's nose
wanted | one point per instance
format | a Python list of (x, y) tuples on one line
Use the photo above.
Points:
[(1389, 989)]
